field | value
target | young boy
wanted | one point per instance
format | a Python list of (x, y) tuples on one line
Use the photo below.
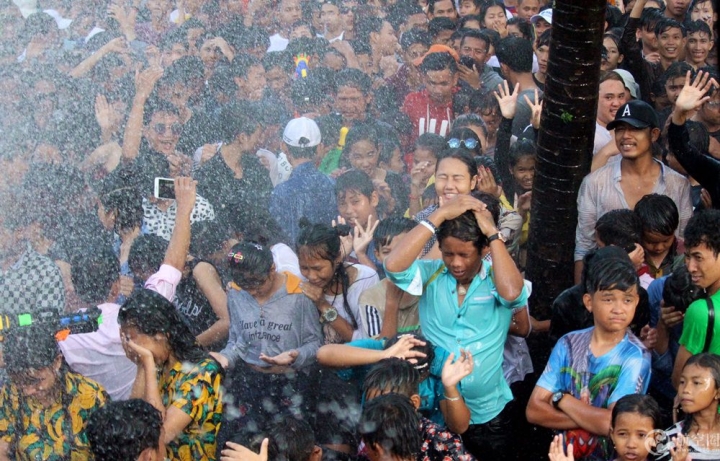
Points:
[(428, 148), (388, 428), (385, 308), (699, 43), (660, 219), (589, 370), (357, 202)]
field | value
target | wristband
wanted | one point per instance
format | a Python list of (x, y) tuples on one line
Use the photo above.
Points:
[(452, 399), (429, 226)]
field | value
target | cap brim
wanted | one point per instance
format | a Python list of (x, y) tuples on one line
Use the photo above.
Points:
[(630, 121)]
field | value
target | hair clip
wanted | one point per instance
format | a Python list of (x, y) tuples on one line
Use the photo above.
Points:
[(237, 257), (420, 367)]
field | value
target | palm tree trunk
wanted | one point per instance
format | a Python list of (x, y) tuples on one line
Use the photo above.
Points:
[(565, 144)]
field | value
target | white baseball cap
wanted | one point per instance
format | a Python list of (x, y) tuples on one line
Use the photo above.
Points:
[(544, 14), (302, 132)]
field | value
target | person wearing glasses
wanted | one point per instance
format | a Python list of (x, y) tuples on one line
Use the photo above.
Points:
[(274, 338)]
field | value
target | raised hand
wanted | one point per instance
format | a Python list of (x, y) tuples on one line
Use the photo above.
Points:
[(185, 194), (346, 241), (486, 182), (557, 451), (363, 236), (536, 108), (693, 95), (403, 349), (507, 99), (103, 113), (454, 371), (420, 174), (145, 81)]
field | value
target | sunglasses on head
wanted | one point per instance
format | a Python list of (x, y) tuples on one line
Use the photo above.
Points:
[(161, 128), (469, 143)]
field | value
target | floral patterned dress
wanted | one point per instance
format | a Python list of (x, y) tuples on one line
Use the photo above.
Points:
[(45, 434), (196, 390)]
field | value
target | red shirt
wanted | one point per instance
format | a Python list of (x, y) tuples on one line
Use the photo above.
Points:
[(426, 115)]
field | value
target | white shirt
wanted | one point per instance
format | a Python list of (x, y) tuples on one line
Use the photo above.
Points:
[(278, 43)]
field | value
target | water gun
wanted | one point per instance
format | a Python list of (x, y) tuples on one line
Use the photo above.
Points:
[(64, 325)]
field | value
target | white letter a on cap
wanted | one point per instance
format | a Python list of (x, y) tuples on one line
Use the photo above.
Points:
[(626, 112)]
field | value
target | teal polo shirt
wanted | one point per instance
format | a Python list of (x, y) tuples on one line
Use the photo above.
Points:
[(479, 325)]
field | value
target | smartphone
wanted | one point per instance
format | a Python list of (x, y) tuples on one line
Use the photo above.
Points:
[(165, 188), (467, 61)]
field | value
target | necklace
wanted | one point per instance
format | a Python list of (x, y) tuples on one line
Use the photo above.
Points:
[(462, 291)]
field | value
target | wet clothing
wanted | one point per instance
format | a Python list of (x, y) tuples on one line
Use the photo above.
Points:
[(702, 167), (32, 285), (194, 307), (52, 433)]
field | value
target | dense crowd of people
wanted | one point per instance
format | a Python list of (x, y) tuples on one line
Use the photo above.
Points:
[(297, 230)]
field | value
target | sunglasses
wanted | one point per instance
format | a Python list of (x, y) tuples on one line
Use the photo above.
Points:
[(161, 128), (469, 143)]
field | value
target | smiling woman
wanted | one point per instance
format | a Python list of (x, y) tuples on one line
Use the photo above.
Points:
[(43, 408)]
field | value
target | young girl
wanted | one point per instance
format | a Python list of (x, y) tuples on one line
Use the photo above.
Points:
[(362, 152), (698, 434), (635, 417)]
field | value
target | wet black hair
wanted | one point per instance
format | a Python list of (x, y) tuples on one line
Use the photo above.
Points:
[(703, 228), (206, 238), (93, 272), (118, 194), (154, 106), (464, 228), (516, 53), (610, 274), (482, 101), (151, 314), (354, 78), (355, 181), (431, 142), (38, 23), (679, 291), (668, 23), (323, 242), (658, 214), (524, 26), (147, 254), (431, 5), (599, 254), (362, 132), (291, 439), (398, 13), (250, 264), (172, 37), (462, 154), (423, 364), (641, 404), (489, 163), (329, 130), (281, 59), (389, 228), (544, 38), (613, 17), (693, 27), (621, 228), (392, 376), (31, 347), (242, 63), (388, 144), (439, 61), (121, 431), (486, 5), (391, 422), (649, 18), (462, 22), (678, 69), (238, 117), (463, 133), (414, 36), (522, 148), (185, 70), (475, 33), (368, 25)]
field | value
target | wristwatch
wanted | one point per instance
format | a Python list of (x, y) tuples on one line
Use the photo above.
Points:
[(498, 236), (329, 315), (556, 398)]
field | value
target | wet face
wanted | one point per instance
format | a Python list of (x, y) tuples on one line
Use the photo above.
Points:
[(704, 12), (413, 52), (445, 9), (461, 258), (178, 94), (364, 156), (704, 267), (356, 208), (673, 87), (158, 9), (301, 31), (396, 163), (351, 103), (697, 48), (440, 85), (635, 142), (657, 245), (476, 49), (262, 288), (277, 80), (318, 271), (382, 251), (697, 389), (41, 385), (415, 21), (677, 7), (210, 54), (628, 435), (163, 132), (613, 310), (671, 43), (385, 41), (611, 97), (468, 7), (542, 52), (452, 177), (252, 86), (614, 57), (495, 18), (347, 13), (526, 9), (330, 17), (443, 38), (710, 111), (177, 51), (157, 344), (524, 172), (289, 12), (424, 156)]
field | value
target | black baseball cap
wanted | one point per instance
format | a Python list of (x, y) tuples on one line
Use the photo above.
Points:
[(636, 113)]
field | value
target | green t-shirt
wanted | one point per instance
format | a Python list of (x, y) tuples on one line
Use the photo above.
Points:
[(696, 323), (331, 161)]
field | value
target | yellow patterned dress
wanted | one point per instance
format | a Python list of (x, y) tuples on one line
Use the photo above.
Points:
[(44, 434), (196, 390)]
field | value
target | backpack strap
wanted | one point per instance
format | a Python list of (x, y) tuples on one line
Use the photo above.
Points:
[(711, 324), (435, 275)]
